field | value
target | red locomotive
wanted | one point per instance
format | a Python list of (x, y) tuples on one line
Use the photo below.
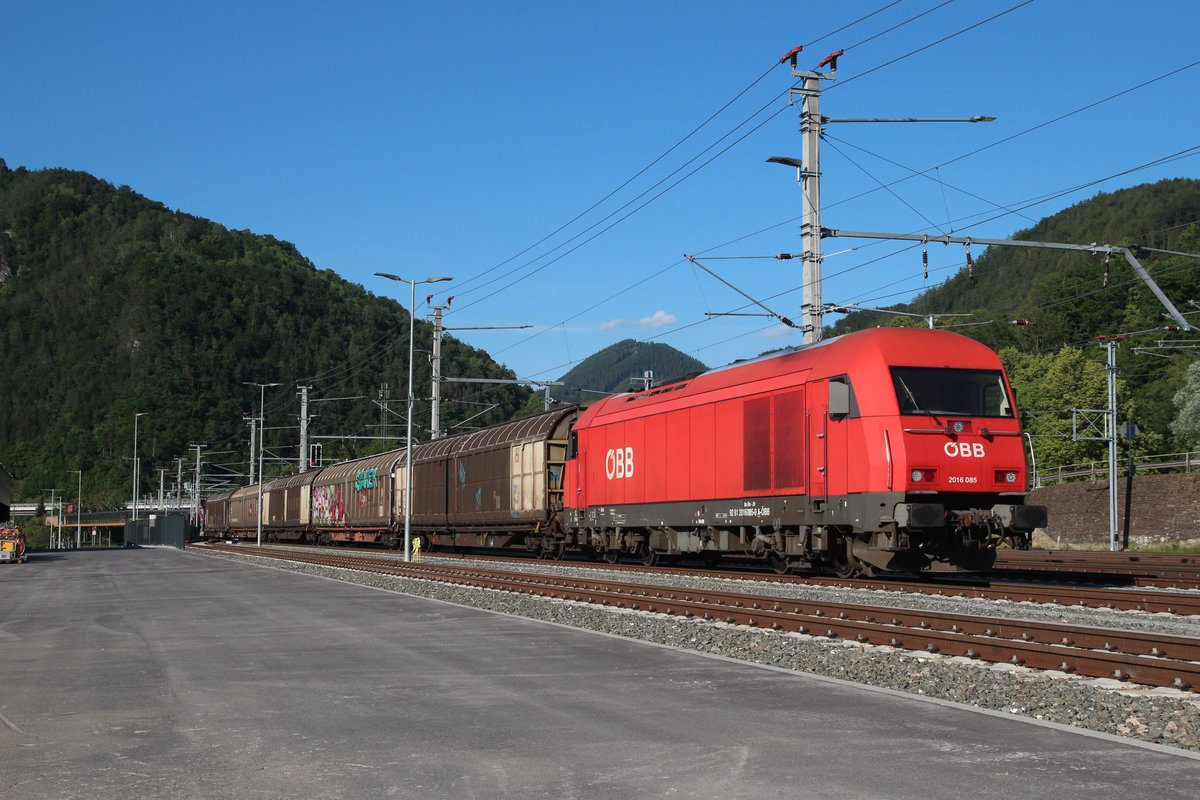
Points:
[(892, 449)]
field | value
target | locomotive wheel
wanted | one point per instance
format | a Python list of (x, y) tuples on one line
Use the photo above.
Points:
[(845, 565), (853, 567), (558, 550)]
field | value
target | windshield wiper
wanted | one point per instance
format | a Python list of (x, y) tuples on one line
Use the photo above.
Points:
[(916, 405)]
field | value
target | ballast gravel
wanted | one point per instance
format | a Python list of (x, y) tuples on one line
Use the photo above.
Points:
[(1163, 716)]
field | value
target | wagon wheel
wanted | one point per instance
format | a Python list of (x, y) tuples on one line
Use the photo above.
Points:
[(559, 550), (650, 557), (780, 564), (612, 556), (710, 558)]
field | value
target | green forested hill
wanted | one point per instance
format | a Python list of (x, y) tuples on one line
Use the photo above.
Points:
[(1064, 293), (1067, 304), (112, 304), (611, 369)]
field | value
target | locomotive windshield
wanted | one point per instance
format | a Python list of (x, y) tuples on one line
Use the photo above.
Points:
[(951, 392)]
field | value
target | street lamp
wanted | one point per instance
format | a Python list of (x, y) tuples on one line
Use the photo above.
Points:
[(55, 541), (78, 505), (262, 400), (408, 469), (136, 476)]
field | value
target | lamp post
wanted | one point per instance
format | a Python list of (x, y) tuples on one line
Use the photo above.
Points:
[(136, 476), (408, 467), (262, 400), (55, 541), (78, 505)]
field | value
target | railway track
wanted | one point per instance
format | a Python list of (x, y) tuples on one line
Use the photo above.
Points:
[(1151, 570), (1150, 659), (1124, 599)]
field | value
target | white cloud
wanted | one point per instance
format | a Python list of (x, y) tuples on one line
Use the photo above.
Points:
[(779, 332), (613, 324), (657, 320)]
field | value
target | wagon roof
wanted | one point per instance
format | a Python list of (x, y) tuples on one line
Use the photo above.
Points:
[(244, 491), (219, 496), (526, 429), (290, 481), (339, 472)]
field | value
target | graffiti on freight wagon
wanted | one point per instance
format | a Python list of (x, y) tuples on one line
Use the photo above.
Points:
[(328, 508)]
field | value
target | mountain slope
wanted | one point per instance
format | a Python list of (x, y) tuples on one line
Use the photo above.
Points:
[(1065, 300), (112, 304), (621, 366), (1065, 291)]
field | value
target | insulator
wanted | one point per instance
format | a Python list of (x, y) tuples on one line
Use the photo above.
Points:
[(1106, 270), (970, 261), (925, 258)]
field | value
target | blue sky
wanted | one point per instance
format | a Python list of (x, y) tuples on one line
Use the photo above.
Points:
[(444, 139)]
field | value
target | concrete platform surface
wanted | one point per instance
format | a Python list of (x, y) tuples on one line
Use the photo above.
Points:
[(156, 673)]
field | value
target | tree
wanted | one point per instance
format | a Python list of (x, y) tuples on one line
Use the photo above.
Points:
[(1049, 386), (1186, 425)]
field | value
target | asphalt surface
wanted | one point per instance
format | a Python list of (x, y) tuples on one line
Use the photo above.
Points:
[(158, 673)]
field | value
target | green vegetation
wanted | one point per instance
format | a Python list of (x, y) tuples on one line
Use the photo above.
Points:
[(1055, 360), (113, 304), (614, 369), (1186, 425)]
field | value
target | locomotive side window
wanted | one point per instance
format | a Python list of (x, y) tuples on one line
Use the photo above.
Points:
[(955, 392), (572, 445)]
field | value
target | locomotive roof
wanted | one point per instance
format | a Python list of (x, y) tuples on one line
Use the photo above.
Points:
[(827, 358)]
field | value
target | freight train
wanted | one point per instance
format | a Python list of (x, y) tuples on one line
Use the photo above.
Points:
[(885, 449)]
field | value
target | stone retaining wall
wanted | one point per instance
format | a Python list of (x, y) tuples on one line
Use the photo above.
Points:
[(1166, 509)]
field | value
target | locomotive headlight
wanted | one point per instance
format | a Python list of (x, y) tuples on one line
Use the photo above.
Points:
[(1010, 477), (1006, 476), (916, 475), (958, 426)]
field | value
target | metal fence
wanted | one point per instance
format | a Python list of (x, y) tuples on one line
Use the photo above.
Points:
[(1096, 470), (170, 531)]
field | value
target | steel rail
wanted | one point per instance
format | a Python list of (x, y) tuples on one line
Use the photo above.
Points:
[(1150, 659), (1124, 599)]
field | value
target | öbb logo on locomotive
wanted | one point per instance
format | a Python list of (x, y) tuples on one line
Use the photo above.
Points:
[(618, 463), (856, 454), (964, 450)]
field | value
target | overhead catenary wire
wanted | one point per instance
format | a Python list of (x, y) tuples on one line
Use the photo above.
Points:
[(955, 159), (693, 172), (395, 344)]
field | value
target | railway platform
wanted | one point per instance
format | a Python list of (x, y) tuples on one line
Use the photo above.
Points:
[(164, 673)]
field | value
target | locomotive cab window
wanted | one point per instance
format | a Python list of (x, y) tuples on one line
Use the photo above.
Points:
[(952, 392), (572, 445)]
